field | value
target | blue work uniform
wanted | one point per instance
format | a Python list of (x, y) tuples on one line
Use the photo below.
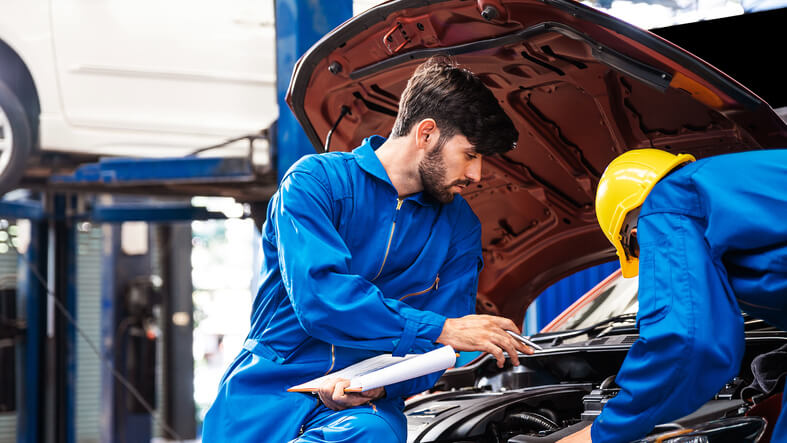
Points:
[(713, 242), (350, 271)]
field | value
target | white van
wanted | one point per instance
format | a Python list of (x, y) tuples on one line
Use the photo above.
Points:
[(143, 78)]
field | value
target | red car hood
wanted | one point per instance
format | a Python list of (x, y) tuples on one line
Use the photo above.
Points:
[(581, 87)]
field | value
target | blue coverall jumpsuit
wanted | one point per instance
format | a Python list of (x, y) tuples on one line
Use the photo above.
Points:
[(713, 242), (350, 271)]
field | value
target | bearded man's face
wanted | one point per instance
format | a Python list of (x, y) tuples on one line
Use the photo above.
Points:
[(449, 167)]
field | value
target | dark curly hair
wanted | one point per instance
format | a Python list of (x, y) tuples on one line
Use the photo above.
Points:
[(459, 103)]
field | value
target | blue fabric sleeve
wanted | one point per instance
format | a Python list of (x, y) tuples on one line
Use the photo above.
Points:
[(331, 303), (746, 227), (691, 331), (460, 275)]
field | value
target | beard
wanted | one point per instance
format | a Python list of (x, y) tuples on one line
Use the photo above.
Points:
[(432, 172)]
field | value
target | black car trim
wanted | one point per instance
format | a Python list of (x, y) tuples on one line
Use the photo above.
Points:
[(739, 94), (307, 63)]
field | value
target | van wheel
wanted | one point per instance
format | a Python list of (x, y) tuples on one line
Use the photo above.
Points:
[(14, 139)]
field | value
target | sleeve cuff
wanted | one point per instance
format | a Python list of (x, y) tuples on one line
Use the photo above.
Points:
[(432, 326), (429, 327), (408, 337)]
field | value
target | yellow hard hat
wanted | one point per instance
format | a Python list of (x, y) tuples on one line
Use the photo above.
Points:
[(623, 187)]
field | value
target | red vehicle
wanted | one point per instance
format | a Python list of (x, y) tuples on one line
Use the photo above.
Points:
[(582, 87)]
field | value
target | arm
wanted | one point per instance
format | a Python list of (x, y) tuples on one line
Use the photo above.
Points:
[(331, 303), (326, 297), (455, 299), (456, 296), (691, 332)]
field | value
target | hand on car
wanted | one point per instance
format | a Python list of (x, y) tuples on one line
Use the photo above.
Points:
[(582, 436), (483, 333), (333, 396)]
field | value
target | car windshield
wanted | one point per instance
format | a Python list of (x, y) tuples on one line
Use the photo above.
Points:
[(617, 298)]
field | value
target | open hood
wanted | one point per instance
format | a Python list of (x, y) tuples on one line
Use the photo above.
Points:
[(581, 87)]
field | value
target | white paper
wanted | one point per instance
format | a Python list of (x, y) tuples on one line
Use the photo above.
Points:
[(386, 369), (433, 361)]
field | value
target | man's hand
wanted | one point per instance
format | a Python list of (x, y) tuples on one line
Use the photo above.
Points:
[(483, 333), (582, 436), (333, 396)]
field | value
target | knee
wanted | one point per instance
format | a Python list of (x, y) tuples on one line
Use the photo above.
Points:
[(377, 429), (359, 427)]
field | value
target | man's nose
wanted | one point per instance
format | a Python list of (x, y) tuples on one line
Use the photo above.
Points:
[(473, 171)]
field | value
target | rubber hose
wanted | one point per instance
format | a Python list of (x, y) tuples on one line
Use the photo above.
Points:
[(532, 420), (548, 413)]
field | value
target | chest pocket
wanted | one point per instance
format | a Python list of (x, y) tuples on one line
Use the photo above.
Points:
[(415, 296)]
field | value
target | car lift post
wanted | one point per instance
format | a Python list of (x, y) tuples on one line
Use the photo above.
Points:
[(125, 420), (61, 345), (47, 357), (178, 326), (119, 423), (48, 363), (31, 306), (299, 24)]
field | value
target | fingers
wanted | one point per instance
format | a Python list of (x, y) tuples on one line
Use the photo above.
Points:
[(503, 341), (510, 345), (512, 350), (499, 345), (496, 352), (373, 394), (522, 347), (326, 392), (504, 323), (332, 394), (339, 397), (484, 333)]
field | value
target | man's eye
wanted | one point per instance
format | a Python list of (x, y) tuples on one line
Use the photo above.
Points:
[(472, 156)]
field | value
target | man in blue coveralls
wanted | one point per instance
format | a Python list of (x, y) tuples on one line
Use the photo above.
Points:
[(709, 241), (365, 253)]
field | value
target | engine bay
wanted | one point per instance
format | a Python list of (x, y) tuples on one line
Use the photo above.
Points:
[(561, 390)]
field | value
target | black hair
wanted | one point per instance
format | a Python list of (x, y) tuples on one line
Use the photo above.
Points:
[(459, 103)]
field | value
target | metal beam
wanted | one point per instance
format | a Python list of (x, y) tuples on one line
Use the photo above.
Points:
[(27, 209), (151, 212), (132, 171)]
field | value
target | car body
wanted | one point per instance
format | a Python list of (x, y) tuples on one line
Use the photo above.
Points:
[(581, 87), (564, 386), (141, 79)]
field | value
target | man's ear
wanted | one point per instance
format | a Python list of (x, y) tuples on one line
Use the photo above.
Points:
[(426, 134)]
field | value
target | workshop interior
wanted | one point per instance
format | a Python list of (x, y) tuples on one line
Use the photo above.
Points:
[(142, 142)]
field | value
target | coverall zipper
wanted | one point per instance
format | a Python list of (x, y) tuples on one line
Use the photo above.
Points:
[(385, 258), (390, 237), (434, 286), (333, 359)]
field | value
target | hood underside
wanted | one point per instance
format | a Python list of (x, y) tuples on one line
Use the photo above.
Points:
[(581, 87)]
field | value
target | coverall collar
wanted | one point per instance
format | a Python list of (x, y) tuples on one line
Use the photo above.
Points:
[(368, 161)]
